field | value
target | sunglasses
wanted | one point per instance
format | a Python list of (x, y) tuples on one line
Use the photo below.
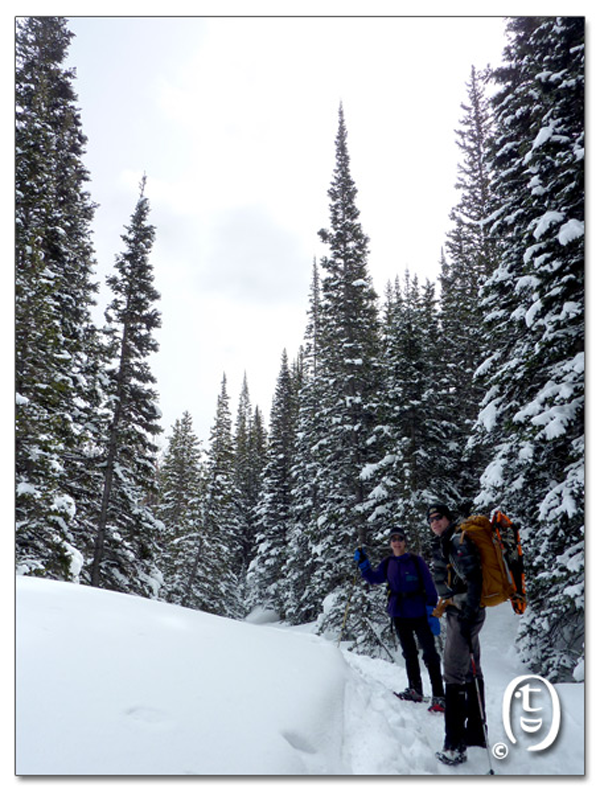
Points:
[(397, 539), (436, 517)]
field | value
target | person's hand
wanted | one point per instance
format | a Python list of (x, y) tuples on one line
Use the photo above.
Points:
[(361, 559)]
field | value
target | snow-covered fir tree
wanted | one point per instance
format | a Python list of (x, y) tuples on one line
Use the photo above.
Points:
[(303, 599), (470, 257), (248, 465), (414, 431), (349, 373), (382, 478), (128, 535), (534, 373), (215, 583), (267, 577), (180, 508), (468, 243), (428, 426), (57, 356)]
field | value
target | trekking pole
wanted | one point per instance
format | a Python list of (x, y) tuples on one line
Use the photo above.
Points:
[(347, 607), (379, 641), (481, 712), (361, 542)]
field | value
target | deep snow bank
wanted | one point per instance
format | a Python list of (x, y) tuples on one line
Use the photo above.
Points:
[(113, 684), (110, 684)]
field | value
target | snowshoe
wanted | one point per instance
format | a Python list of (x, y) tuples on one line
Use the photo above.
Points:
[(452, 756), (438, 704), (509, 539), (410, 694)]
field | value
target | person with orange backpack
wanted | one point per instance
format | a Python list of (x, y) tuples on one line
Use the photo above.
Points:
[(457, 574)]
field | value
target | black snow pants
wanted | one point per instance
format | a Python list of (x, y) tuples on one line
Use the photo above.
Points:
[(407, 629)]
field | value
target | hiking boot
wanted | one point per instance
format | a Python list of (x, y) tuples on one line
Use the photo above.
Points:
[(452, 756), (438, 704), (410, 694)]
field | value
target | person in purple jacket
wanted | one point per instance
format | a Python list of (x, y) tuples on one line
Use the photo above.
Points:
[(411, 591)]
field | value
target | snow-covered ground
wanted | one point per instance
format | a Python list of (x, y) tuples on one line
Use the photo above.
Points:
[(110, 684)]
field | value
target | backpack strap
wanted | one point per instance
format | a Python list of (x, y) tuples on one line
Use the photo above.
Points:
[(388, 588), (415, 560)]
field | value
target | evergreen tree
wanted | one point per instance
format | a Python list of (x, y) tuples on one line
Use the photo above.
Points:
[(432, 427), (384, 476), (471, 257), (249, 460), (267, 575), (533, 409), (258, 455), (56, 348), (414, 426), (214, 583), (303, 600), (469, 245), (127, 533), (180, 507), (259, 437), (349, 344)]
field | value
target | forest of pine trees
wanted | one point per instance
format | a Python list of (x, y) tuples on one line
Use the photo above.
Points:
[(469, 390)]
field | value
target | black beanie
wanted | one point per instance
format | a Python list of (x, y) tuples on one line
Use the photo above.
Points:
[(439, 508)]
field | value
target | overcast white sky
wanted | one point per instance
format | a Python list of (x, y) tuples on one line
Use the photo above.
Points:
[(234, 121)]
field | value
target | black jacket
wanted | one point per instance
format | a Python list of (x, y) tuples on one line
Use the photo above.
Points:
[(457, 570)]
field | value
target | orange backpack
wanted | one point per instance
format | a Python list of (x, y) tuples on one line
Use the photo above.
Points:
[(499, 546)]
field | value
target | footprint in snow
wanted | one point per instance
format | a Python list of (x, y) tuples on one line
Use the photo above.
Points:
[(149, 718)]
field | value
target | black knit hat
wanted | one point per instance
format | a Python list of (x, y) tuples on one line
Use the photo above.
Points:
[(439, 508), (397, 532)]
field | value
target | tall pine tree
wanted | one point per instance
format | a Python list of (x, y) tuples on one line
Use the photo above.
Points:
[(267, 575), (127, 533), (349, 330), (249, 462), (215, 584), (180, 507), (414, 430), (56, 347), (533, 409), (303, 599), (471, 257)]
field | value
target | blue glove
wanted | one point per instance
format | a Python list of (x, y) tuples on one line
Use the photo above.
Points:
[(361, 559), (434, 622)]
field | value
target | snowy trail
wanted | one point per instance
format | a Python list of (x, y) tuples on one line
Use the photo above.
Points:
[(110, 684), (415, 734), (387, 736)]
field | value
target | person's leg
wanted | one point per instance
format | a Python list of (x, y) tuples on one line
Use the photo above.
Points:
[(458, 671), (431, 657), (405, 631), (475, 690), (456, 666), (474, 727)]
